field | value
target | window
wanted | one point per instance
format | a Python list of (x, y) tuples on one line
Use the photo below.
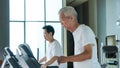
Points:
[(27, 17), (16, 34)]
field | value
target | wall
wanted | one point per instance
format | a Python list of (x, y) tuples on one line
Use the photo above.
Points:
[(4, 25), (83, 13), (112, 13), (118, 7), (93, 15), (101, 20)]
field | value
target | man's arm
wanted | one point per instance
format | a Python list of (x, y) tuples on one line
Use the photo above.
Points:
[(49, 62), (87, 54), (53, 59), (42, 60)]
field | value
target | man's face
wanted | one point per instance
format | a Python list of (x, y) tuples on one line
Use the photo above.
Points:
[(65, 21), (46, 35)]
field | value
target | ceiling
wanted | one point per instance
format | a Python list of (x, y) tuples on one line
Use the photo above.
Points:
[(75, 2)]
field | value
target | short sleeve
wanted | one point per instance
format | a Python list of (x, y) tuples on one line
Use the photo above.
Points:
[(88, 37), (56, 49)]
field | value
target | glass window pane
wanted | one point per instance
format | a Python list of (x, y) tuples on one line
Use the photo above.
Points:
[(35, 38), (17, 10), (52, 8), (16, 35), (34, 10)]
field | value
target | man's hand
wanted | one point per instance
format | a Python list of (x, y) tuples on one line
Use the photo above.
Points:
[(44, 66), (62, 59)]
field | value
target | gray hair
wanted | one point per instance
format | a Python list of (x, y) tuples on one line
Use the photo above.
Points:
[(68, 11)]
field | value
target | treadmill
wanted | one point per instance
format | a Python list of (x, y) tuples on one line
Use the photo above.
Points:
[(10, 61)]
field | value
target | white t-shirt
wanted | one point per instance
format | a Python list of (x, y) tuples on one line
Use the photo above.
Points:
[(83, 35), (54, 49)]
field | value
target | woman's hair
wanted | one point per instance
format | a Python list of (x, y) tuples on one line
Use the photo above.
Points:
[(68, 11), (49, 29)]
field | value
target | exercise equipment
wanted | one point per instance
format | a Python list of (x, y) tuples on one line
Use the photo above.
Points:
[(10, 60)]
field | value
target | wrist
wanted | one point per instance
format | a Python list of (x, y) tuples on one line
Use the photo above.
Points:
[(67, 59), (46, 64)]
